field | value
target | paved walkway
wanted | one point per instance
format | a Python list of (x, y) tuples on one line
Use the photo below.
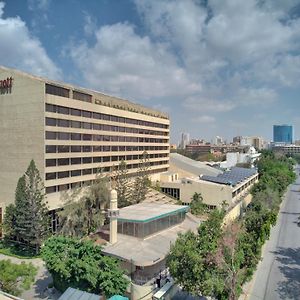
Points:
[(42, 279)]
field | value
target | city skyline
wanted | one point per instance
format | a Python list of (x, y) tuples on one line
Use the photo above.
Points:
[(217, 68)]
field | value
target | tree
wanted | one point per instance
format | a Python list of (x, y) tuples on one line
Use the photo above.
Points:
[(191, 258), (82, 213), (229, 258), (29, 216), (120, 181), (197, 206), (9, 221), (141, 181), (14, 278), (80, 264), (36, 228)]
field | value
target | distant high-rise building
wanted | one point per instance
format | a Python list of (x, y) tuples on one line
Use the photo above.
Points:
[(254, 141), (218, 140), (283, 134), (185, 140)]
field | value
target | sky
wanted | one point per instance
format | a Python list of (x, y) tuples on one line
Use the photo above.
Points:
[(226, 68)]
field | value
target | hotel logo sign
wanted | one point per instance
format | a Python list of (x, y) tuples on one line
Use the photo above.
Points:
[(6, 85)]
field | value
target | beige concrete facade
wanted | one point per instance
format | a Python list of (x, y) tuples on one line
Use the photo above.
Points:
[(70, 139), (213, 193)]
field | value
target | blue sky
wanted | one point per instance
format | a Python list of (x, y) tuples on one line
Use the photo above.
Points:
[(226, 68)]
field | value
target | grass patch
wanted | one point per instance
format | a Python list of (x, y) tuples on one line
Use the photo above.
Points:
[(14, 249)]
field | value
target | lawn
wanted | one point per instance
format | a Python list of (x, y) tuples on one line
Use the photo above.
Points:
[(12, 248)]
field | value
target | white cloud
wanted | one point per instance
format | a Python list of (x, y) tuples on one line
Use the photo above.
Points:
[(124, 63), (197, 103), (22, 50), (206, 59), (38, 4), (203, 119), (90, 24)]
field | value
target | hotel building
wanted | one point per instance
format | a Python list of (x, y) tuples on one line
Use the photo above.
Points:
[(71, 132)]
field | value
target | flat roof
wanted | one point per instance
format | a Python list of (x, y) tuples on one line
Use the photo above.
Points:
[(153, 249), (145, 212), (74, 294)]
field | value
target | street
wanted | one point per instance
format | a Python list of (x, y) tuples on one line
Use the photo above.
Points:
[(278, 274)]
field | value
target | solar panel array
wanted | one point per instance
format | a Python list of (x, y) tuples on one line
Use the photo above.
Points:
[(231, 177)]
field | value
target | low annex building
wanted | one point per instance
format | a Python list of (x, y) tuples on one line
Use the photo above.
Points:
[(71, 132), (144, 234), (229, 186)]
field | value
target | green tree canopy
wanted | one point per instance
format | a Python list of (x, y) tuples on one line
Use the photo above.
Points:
[(14, 278), (29, 215), (80, 264)]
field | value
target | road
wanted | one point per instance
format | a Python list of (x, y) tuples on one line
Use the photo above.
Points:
[(278, 274)]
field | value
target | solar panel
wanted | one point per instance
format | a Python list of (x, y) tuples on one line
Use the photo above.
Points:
[(231, 177)]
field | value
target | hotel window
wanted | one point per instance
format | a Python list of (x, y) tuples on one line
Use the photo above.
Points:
[(75, 124), (97, 126), (50, 176), (75, 112), (75, 161), (97, 148), (82, 96), (50, 162), (96, 116), (63, 123), (86, 137), (75, 136), (63, 174), (50, 149), (63, 149), (87, 148), (76, 173), (57, 90), (50, 189), (97, 159), (63, 110), (86, 114), (50, 122), (63, 135), (75, 148), (50, 108), (63, 187), (63, 162), (106, 117), (86, 125), (50, 135), (86, 160), (86, 171)]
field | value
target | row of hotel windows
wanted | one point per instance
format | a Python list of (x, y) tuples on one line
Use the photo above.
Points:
[(97, 159), (63, 187), (63, 92), (100, 116), (74, 136), (104, 127), (82, 172), (66, 149)]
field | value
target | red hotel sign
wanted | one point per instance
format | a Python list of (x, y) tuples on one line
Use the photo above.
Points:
[(6, 85)]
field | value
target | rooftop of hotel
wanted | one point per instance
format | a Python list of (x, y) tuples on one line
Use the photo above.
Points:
[(145, 212), (103, 99)]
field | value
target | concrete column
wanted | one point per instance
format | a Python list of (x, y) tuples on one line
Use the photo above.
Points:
[(113, 214)]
